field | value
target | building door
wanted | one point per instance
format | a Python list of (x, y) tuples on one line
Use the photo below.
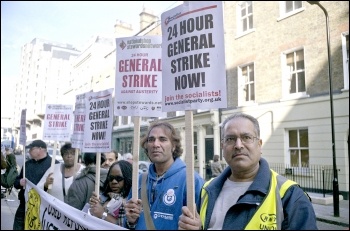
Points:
[(209, 153)]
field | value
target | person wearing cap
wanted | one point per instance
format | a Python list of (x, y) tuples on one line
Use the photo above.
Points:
[(34, 170)]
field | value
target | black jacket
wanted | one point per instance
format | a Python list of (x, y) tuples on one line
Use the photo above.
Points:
[(34, 172)]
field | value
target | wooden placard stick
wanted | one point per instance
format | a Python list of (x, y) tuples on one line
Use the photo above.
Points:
[(76, 156), (98, 173), (24, 163), (135, 162), (53, 160), (189, 159)]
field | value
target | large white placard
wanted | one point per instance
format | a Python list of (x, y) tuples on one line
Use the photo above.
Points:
[(138, 83), (58, 122), (194, 74), (98, 121), (45, 212), (79, 121)]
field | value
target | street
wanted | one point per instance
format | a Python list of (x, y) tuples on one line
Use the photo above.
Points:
[(325, 226)]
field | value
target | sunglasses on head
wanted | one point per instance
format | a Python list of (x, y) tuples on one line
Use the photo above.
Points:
[(117, 178)]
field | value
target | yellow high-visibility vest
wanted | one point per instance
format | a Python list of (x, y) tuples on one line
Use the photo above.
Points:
[(269, 215)]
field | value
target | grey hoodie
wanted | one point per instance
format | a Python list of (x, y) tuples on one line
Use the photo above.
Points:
[(82, 187)]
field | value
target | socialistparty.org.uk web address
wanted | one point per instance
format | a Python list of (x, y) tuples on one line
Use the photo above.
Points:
[(194, 101)]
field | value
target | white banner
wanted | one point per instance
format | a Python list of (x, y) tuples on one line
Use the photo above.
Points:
[(194, 72), (58, 122), (98, 121), (138, 81), (79, 121), (45, 212), (23, 128)]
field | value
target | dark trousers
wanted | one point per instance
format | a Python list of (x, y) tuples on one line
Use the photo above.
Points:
[(18, 223)]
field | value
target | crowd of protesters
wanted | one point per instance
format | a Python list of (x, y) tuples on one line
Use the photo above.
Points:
[(234, 197)]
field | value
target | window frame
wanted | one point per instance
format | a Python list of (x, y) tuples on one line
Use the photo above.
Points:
[(242, 85), (298, 148), (284, 14), (286, 76), (240, 19)]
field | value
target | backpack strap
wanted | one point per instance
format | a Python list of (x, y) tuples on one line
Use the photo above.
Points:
[(146, 211), (8, 163)]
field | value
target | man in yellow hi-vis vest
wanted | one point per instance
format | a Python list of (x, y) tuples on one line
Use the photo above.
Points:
[(248, 194)]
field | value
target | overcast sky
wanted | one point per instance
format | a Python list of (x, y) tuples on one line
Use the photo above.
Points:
[(66, 22)]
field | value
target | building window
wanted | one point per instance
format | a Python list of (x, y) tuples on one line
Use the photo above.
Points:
[(180, 113), (345, 51), (129, 146), (209, 130), (246, 83), (298, 148), (295, 65), (294, 74), (195, 148), (290, 6), (245, 16), (117, 120), (124, 120)]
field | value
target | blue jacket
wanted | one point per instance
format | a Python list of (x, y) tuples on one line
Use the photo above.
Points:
[(168, 196), (298, 210)]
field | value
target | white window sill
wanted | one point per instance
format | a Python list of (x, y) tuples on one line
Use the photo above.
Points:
[(247, 104), (294, 96), (290, 14), (241, 34)]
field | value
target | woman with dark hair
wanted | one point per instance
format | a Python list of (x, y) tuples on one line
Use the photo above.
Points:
[(62, 178), (110, 205)]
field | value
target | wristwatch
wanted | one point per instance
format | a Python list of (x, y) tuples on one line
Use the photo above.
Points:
[(104, 216)]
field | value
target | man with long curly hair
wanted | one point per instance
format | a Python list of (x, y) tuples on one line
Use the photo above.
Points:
[(165, 183)]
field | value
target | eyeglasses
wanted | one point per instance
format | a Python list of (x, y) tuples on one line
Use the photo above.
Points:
[(245, 139), (117, 178)]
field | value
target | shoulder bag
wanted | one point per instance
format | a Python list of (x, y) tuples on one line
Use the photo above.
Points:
[(146, 209)]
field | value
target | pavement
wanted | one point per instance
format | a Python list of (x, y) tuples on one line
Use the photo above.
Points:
[(9, 205), (323, 208)]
